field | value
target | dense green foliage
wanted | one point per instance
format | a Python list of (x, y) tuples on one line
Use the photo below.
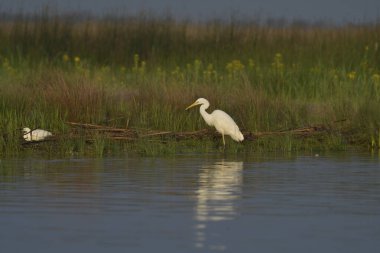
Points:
[(142, 72)]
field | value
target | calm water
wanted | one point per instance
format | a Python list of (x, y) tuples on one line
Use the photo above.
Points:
[(191, 203)]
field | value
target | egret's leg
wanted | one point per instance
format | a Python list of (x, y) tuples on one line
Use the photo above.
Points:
[(224, 143)]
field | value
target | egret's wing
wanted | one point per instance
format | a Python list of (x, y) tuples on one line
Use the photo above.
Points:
[(226, 125)]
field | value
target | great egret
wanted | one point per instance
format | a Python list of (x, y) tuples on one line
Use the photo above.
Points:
[(35, 135), (222, 122)]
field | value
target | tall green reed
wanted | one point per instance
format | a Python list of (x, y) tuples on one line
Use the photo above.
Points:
[(142, 72)]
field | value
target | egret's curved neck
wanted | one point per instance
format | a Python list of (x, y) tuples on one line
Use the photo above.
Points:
[(206, 116)]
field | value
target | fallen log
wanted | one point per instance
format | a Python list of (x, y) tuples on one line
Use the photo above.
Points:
[(97, 127), (130, 134)]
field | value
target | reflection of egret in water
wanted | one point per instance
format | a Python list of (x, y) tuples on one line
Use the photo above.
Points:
[(219, 186)]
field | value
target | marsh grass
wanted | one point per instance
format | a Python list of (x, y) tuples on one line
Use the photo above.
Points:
[(142, 72)]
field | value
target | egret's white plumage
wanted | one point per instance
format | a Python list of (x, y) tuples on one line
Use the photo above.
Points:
[(35, 135), (222, 122)]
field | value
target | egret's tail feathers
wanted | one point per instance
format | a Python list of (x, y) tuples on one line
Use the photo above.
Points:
[(238, 136)]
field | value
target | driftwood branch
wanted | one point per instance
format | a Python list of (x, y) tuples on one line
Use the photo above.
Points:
[(89, 133), (97, 127), (134, 134)]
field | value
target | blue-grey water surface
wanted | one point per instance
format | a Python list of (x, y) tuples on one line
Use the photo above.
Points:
[(191, 203)]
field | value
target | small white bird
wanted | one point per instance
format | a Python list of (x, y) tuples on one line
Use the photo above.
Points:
[(223, 123), (35, 135)]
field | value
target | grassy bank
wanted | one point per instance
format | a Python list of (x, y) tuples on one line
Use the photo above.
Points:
[(142, 72)]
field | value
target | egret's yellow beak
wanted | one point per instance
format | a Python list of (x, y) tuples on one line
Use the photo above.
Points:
[(192, 105)]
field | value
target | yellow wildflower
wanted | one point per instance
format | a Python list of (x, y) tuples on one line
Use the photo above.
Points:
[(65, 58), (278, 62), (376, 78), (197, 64), (251, 63), (136, 60), (234, 66), (209, 73), (76, 59), (351, 75)]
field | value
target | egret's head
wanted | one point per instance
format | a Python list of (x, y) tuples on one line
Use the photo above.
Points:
[(199, 101), (26, 130)]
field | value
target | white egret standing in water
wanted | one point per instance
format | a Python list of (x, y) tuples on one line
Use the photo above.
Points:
[(35, 135), (222, 122)]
